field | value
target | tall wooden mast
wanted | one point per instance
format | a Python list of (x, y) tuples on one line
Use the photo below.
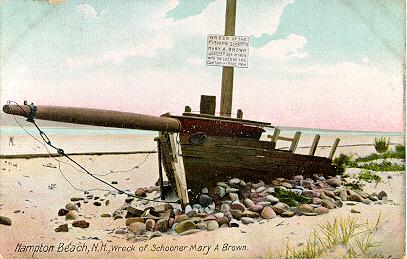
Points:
[(227, 72)]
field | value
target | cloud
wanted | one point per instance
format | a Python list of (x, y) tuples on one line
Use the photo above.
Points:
[(86, 10), (194, 61), (147, 49), (284, 49)]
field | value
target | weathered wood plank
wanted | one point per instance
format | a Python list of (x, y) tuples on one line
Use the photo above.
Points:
[(314, 145)]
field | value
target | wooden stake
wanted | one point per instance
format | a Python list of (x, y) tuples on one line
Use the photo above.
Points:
[(296, 139), (314, 145), (227, 72), (331, 154)]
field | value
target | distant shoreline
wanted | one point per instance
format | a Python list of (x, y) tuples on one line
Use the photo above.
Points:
[(27, 156)]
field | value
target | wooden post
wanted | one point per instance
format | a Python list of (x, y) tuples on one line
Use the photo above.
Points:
[(239, 114), (208, 104), (227, 72), (295, 141), (314, 145), (160, 170), (276, 135), (331, 154)]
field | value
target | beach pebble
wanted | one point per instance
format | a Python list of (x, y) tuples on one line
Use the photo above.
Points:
[(286, 185), (242, 183), (219, 214), (247, 220), (287, 213), (270, 190), (71, 206), (188, 208), (354, 211), (237, 214), (366, 201), (185, 226), (181, 217), (268, 213), (364, 195), (196, 206), (338, 203), (231, 190), (150, 224), (162, 225), (128, 199), (171, 222), (134, 212), (275, 182), (220, 191), (212, 225), (272, 199), (259, 184), (222, 220), (330, 194), (381, 195), (233, 196), (250, 214), (105, 215), (120, 231), (129, 221), (316, 201), (237, 206), (155, 234), (305, 208), (260, 189), (234, 223), (96, 203), (62, 228), (62, 212), (281, 188), (373, 198), (80, 224), (228, 215), (343, 195), (77, 199), (327, 204), (190, 232), (141, 192), (355, 197), (256, 208), (5, 221), (222, 184), (137, 228), (205, 190), (279, 207), (265, 203), (334, 182), (248, 202), (298, 178), (234, 181), (205, 200), (201, 225), (296, 191), (321, 210), (306, 184), (192, 212), (72, 215)]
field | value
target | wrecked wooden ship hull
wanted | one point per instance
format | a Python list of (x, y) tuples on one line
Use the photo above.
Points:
[(199, 150)]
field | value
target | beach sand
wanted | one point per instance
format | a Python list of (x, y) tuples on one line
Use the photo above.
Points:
[(32, 192)]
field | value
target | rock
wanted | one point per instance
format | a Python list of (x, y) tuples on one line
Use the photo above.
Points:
[(381, 195), (306, 208), (222, 184), (366, 201), (234, 223), (323, 196), (219, 214), (105, 215), (222, 220), (220, 191), (296, 191), (212, 225), (171, 222), (205, 200), (114, 182), (310, 193), (281, 188), (205, 190), (129, 221), (137, 228), (134, 212), (80, 224), (242, 183), (188, 208), (330, 194), (96, 203), (5, 221), (224, 207), (62, 212), (364, 195), (260, 189), (355, 197), (140, 192), (190, 232), (209, 217), (77, 199), (338, 203), (237, 206), (120, 231), (298, 178), (62, 228), (268, 213), (334, 182), (237, 214), (350, 203), (354, 211), (191, 213), (72, 215), (321, 210), (256, 208), (259, 184), (272, 199), (270, 190), (286, 185), (247, 220), (250, 214), (162, 208), (279, 207), (107, 202), (185, 226), (71, 206), (343, 195), (316, 201), (264, 203), (150, 224), (327, 204), (309, 213), (161, 225), (287, 213), (234, 181), (180, 218), (307, 184), (233, 196), (197, 206), (201, 225), (201, 215), (373, 198), (229, 215), (229, 190)]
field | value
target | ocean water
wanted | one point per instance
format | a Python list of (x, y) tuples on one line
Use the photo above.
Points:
[(92, 131)]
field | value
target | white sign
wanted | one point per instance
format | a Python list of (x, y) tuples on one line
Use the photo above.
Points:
[(227, 51)]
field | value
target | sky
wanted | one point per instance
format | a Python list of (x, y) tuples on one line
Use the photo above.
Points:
[(334, 64)]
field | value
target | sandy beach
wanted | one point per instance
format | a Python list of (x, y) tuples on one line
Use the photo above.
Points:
[(33, 190)]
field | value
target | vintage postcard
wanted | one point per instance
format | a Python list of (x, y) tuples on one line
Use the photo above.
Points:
[(202, 129)]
